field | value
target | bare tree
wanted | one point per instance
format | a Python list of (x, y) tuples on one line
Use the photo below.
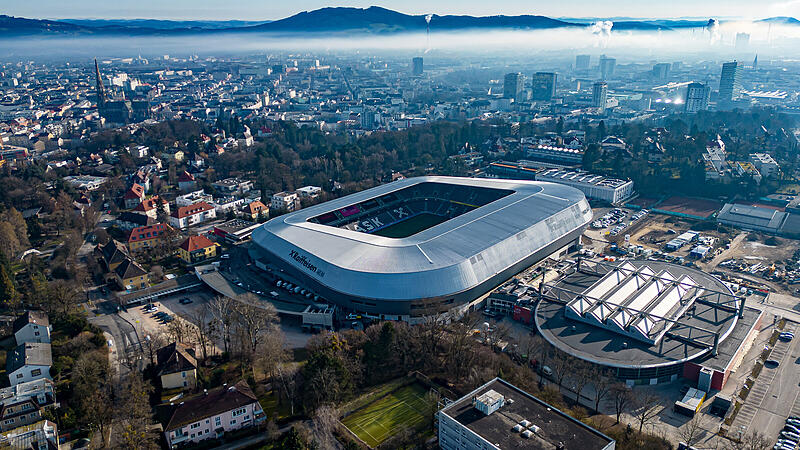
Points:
[(324, 424), (179, 331), (223, 314), (133, 414), (751, 441), (288, 375), (693, 431), (151, 344), (254, 318), (646, 408), (270, 352), (202, 320), (561, 363), (582, 374), (602, 383), (623, 398)]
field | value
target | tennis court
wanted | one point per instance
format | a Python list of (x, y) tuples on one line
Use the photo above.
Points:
[(379, 420)]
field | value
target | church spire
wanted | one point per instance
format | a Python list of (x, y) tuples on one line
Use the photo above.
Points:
[(101, 90)]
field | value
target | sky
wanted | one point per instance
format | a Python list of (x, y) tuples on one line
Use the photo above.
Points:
[(277, 9)]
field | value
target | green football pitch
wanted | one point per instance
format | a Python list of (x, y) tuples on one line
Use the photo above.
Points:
[(411, 226), (380, 419)]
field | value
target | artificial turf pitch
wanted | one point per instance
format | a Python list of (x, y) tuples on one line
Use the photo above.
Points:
[(379, 420)]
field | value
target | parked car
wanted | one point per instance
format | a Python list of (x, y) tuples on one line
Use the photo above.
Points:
[(185, 301)]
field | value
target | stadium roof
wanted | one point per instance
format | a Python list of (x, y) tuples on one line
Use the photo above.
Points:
[(678, 322), (450, 257)]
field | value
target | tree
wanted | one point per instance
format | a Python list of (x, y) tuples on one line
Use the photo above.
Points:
[(153, 342), (693, 431), (623, 398), (751, 441), (252, 320), (602, 383), (561, 363), (63, 296), (222, 311), (582, 374), (202, 318), (9, 243), (134, 414), (646, 408), (179, 331), (270, 353), (324, 423)]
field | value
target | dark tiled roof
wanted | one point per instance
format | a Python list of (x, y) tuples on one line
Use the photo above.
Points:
[(129, 269), (28, 353), (36, 317), (174, 358), (114, 252), (135, 218), (203, 406)]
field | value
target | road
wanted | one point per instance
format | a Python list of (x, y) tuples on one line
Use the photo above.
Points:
[(776, 393), (125, 340)]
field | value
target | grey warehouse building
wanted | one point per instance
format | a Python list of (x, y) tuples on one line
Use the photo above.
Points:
[(421, 246), (498, 415)]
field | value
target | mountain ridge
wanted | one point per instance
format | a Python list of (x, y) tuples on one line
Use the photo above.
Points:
[(372, 20)]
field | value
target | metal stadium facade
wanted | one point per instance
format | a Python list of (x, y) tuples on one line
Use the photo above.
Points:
[(422, 246)]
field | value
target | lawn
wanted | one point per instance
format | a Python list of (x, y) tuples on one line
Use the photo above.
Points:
[(379, 420), (411, 226)]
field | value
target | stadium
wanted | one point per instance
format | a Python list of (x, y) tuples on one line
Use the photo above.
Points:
[(647, 321), (421, 246)]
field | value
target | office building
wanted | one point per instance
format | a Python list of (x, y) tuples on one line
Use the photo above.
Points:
[(729, 82), (600, 95), (582, 62), (607, 66), (742, 41), (596, 187), (500, 415), (417, 66), (697, 95), (514, 86), (544, 86), (661, 71)]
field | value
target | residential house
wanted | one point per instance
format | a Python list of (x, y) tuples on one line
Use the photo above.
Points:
[(224, 205), (28, 362), (197, 249), (24, 403), (129, 275), (309, 192), (176, 366), (128, 220), (212, 414), (186, 216), (42, 435), (173, 155), (193, 197), (146, 237), (232, 186), (149, 207), (33, 326), (139, 151), (112, 254), (765, 164), (613, 146), (134, 196), (285, 201), (255, 210), (186, 182)]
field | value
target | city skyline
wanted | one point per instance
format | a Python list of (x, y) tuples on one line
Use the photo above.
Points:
[(258, 11)]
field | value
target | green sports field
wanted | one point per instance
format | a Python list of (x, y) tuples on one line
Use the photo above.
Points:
[(380, 419), (411, 226)]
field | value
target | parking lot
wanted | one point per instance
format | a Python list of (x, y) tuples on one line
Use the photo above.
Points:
[(149, 324)]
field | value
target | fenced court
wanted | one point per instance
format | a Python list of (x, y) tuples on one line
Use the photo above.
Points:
[(693, 207), (377, 421)]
